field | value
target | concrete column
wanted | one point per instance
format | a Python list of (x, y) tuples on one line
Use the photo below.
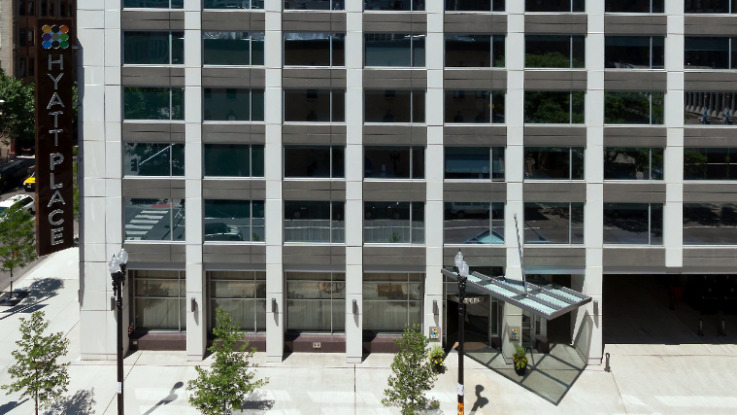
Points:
[(194, 268), (275, 326), (354, 180), (673, 156)]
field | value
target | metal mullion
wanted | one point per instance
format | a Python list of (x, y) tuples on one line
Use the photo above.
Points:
[(330, 52), (570, 52), (410, 223), (570, 221), (411, 104), (250, 221), (570, 105), (570, 163), (411, 172), (649, 223), (330, 104), (330, 226), (650, 108), (650, 163)]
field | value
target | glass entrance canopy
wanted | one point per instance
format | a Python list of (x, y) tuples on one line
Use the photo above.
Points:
[(540, 298)]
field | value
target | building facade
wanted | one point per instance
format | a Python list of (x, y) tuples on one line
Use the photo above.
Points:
[(311, 165)]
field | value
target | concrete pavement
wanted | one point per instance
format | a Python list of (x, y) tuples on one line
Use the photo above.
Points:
[(645, 378)]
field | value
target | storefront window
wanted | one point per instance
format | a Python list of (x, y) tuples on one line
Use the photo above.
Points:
[(315, 302), (241, 294), (159, 301), (391, 301)]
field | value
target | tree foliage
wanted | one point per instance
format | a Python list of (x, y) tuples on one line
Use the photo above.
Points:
[(17, 121), (225, 386), (37, 372), (412, 373), (17, 239)]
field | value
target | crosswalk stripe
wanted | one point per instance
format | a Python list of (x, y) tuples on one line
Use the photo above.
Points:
[(146, 227), (146, 221), (156, 217)]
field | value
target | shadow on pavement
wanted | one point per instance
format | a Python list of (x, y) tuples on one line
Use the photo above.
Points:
[(39, 291), (257, 401), (9, 406), (480, 401), (81, 403), (171, 397), (549, 376)]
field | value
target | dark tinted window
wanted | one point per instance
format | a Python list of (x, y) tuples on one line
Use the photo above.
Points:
[(555, 51), (394, 162), (634, 52), (633, 163), (623, 107), (393, 105), (635, 6), (633, 223), (314, 161), (554, 163), (473, 50), (710, 224), (554, 107)]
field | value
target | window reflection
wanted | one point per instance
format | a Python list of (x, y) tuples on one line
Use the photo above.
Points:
[(233, 48), (711, 6), (314, 4), (554, 107), (233, 4), (474, 163), (633, 223), (314, 161), (624, 107), (555, 5), (159, 300), (394, 49), (159, 4), (633, 163), (314, 49), (710, 107), (474, 223), (143, 103), (161, 48), (553, 223), (234, 160), (710, 224), (314, 105), (311, 221), (405, 5), (554, 163), (709, 164), (394, 222), (635, 6), (234, 220), (555, 51), (480, 107), (394, 106), (634, 52), (231, 104), (474, 5), (394, 162), (474, 50), (153, 159), (708, 53), (154, 219)]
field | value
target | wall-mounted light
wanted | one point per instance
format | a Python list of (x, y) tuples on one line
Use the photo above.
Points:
[(435, 308), (273, 305), (112, 303), (355, 307), (193, 304)]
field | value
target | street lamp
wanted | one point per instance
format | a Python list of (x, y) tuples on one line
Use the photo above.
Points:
[(116, 266), (462, 267)]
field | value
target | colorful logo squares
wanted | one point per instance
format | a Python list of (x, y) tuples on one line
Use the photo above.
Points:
[(55, 37)]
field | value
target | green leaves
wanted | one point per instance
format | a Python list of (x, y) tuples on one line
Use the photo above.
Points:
[(226, 384), (37, 372), (17, 239), (17, 120), (412, 373)]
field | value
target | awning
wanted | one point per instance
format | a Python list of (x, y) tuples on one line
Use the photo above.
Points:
[(541, 298)]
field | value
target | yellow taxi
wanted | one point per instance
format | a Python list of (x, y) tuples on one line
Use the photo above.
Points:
[(30, 183)]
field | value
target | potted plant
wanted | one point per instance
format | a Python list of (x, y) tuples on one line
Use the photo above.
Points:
[(436, 356), (520, 359)]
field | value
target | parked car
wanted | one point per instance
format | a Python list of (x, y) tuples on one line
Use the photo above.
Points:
[(220, 231), (30, 183), (13, 173), (18, 201)]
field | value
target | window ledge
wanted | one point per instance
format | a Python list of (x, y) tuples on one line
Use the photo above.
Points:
[(213, 66), (392, 179), (239, 243), (154, 122), (390, 245), (314, 123), (315, 243), (624, 246)]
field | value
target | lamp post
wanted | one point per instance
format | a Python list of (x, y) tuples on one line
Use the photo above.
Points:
[(462, 267), (116, 266)]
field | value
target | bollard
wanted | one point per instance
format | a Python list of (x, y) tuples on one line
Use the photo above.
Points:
[(606, 366)]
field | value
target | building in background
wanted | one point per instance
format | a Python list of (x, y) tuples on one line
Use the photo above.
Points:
[(310, 166)]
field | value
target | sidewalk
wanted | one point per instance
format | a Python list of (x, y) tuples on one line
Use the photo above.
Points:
[(645, 379)]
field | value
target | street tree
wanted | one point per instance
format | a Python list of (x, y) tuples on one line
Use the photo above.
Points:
[(412, 374), (17, 121), (17, 241), (37, 372), (224, 387)]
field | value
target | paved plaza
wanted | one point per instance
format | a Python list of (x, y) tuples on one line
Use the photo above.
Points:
[(676, 378)]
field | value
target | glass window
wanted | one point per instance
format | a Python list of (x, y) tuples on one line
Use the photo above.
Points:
[(394, 162), (474, 163), (408, 5), (233, 48), (241, 294), (393, 105), (153, 159), (159, 300), (473, 50), (160, 4), (394, 49), (142, 103), (710, 223), (156, 48), (314, 161), (21, 7), (634, 52), (709, 164), (154, 219), (314, 105), (625, 107), (314, 221), (474, 5), (555, 5), (315, 302), (21, 68), (553, 223), (314, 4), (234, 220), (391, 301), (479, 107), (555, 51), (554, 107), (314, 49), (234, 160), (231, 104), (709, 53), (474, 223), (394, 222), (634, 6), (633, 223), (22, 37), (711, 6), (710, 108), (633, 163), (554, 163), (233, 4)]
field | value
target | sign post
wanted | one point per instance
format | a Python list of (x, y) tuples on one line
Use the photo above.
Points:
[(54, 136)]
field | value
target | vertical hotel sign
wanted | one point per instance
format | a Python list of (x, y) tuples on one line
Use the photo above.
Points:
[(54, 141)]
